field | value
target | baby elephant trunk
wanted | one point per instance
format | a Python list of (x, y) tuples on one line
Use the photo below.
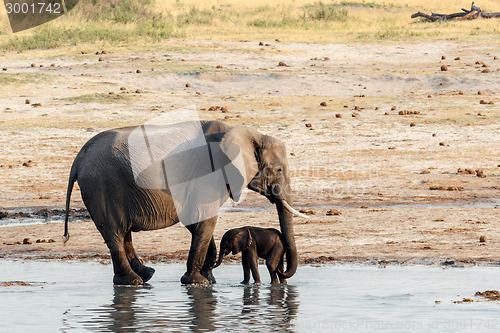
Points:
[(221, 256)]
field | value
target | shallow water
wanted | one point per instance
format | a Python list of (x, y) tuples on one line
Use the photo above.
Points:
[(79, 296)]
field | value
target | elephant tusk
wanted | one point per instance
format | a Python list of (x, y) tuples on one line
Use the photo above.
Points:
[(292, 210)]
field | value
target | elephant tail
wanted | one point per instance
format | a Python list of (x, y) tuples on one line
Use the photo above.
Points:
[(71, 183)]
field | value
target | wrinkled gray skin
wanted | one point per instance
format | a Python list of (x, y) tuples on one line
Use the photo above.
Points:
[(119, 206), (255, 243)]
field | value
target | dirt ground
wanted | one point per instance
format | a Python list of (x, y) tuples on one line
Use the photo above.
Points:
[(405, 149)]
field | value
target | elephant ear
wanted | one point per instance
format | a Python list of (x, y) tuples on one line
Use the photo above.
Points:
[(242, 241), (235, 156)]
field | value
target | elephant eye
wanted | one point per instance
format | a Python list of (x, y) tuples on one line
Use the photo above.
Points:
[(279, 170)]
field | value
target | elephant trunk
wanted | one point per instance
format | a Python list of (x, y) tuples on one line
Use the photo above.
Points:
[(221, 256), (286, 224)]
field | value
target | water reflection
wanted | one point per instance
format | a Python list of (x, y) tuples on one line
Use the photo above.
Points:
[(121, 312), (194, 308), (202, 305)]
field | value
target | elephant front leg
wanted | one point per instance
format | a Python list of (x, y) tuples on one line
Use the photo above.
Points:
[(201, 236), (145, 272), (246, 267), (253, 261), (210, 260)]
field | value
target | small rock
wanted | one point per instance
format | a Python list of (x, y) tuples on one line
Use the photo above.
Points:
[(218, 66), (480, 173), (444, 68), (307, 211), (354, 115), (479, 92), (332, 212), (443, 57), (485, 70), (387, 113), (281, 63), (323, 104), (309, 125), (338, 115), (27, 101), (33, 65), (457, 58), (495, 58), (482, 239), (413, 124), (138, 71), (261, 43), (52, 65), (139, 91), (188, 85), (36, 105), (103, 52), (27, 241), (393, 108), (443, 144), (41, 66), (123, 88), (100, 59), (376, 108), (51, 241)]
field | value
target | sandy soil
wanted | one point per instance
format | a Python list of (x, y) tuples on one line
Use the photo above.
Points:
[(394, 178)]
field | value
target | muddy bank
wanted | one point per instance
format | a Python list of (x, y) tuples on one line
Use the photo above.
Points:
[(390, 235)]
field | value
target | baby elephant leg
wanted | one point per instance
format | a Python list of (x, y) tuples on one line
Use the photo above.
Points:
[(274, 258), (253, 261)]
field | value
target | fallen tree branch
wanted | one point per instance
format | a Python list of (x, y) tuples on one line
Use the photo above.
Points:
[(474, 13)]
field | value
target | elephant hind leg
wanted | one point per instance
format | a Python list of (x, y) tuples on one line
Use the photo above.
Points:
[(145, 272), (124, 275)]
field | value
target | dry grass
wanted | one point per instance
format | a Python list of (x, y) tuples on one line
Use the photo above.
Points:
[(300, 20)]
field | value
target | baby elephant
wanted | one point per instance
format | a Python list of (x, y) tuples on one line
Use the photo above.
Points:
[(255, 243)]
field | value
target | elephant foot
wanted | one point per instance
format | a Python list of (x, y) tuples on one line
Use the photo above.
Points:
[(194, 278), (283, 281), (146, 273), (244, 282), (257, 283), (128, 280), (209, 276)]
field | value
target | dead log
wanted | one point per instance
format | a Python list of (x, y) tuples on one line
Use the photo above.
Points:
[(474, 13)]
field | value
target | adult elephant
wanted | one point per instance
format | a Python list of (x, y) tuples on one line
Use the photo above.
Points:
[(151, 177)]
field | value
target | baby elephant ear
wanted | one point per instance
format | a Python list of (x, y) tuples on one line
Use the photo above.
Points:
[(242, 241)]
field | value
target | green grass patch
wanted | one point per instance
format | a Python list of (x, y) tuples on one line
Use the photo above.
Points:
[(100, 98), (24, 78)]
